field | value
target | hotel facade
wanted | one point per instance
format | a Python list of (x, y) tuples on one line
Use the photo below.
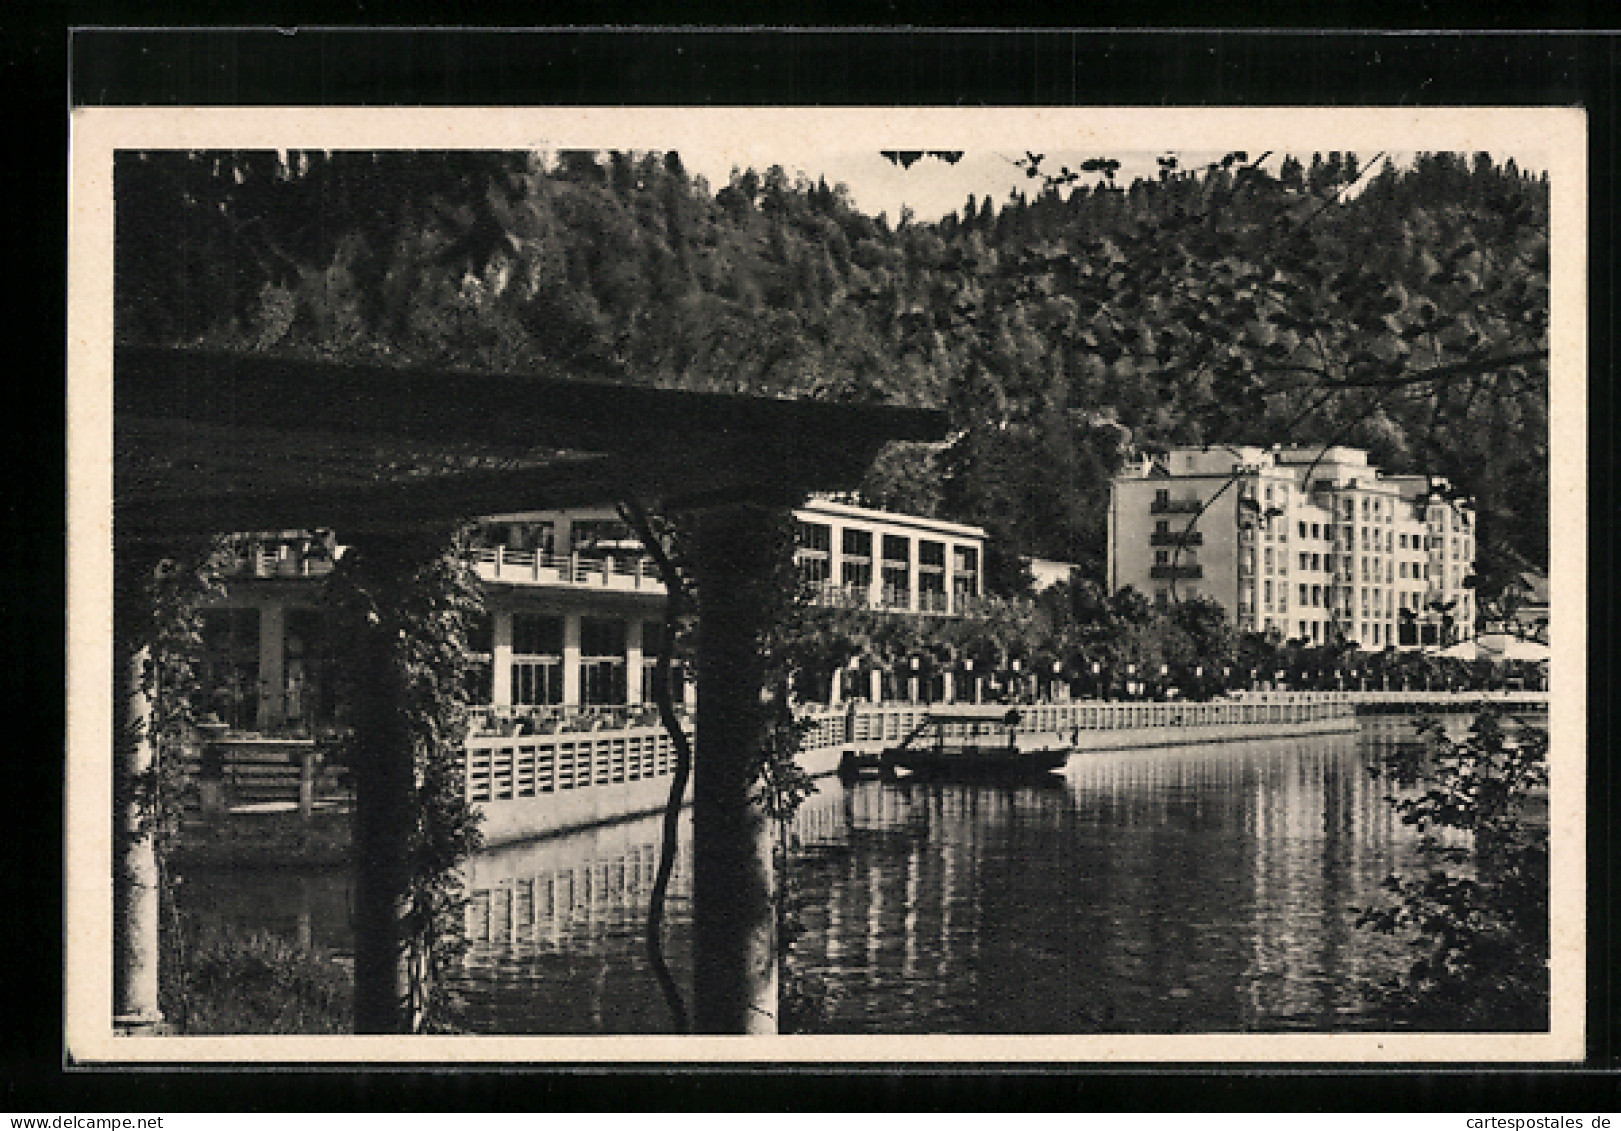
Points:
[(1311, 544)]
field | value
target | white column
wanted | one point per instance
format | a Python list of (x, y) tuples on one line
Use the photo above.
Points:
[(835, 554), (875, 591), (949, 691), (875, 686), (272, 667), (135, 970), (914, 600), (501, 658), (634, 692), (571, 659), (951, 586)]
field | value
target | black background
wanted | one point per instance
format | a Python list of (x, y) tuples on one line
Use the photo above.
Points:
[(47, 69)]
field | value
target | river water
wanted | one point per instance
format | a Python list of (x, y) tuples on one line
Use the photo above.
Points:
[(1187, 889)]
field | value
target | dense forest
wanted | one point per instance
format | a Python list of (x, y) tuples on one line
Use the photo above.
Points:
[(1066, 328)]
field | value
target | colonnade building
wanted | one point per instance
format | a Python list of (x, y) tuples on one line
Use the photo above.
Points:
[(575, 609), (1312, 544)]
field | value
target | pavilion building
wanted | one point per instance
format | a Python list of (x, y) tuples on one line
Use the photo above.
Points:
[(575, 610)]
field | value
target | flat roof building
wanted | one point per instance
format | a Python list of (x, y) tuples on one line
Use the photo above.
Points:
[(576, 608)]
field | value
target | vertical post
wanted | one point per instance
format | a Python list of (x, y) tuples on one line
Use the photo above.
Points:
[(734, 928), (501, 658), (634, 691), (383, 815), (571, 660), (272, 665), (135, 958), (306, 782)]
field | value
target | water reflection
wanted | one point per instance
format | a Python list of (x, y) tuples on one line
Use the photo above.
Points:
[(1194, 889)]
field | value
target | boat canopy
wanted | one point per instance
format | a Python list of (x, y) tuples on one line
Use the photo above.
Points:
[(976, 713)]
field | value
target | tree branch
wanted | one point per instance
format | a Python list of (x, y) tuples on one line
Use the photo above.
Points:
[(675, 603)]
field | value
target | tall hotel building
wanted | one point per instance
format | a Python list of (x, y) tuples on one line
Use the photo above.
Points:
[(1312, 544)]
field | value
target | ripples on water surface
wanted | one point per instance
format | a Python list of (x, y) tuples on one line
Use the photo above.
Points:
[(1205, 888)]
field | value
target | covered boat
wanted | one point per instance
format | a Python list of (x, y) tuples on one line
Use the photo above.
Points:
[(974, 742)]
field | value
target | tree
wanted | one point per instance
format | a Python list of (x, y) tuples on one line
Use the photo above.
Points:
[(1477, 919)]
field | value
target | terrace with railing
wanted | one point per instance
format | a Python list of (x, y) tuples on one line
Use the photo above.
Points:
[(622, 572)]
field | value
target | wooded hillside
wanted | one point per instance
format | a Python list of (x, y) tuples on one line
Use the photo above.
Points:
[(1404, 310)]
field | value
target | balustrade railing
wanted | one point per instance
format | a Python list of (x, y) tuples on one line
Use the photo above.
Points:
[(618, 745), (497, 563)]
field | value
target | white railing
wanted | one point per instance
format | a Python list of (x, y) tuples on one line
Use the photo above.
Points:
[(602, 571), (505, 767)]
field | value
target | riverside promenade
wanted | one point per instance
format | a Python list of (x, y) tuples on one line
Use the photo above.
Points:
[(529, 785), (539, 785)]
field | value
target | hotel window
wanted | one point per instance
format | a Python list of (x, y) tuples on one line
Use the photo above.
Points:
[(1350, 509), (815, 551), (230, 667), (537, 660), (1364, 506), (1401, 540), (1162, 599), (602, 661), (1316, 561), (1316, 531), (1403, 569), (1305, 561), (1162, 557), (1303, 530), (1303, 596), (1316, 596), (1266, 593), (1162, 528), (897, 571), (1162, 498), (1454, 548), (480, 654), (965, 573), (1390, 543), (855, 566), (1268, 561), (931, 576)]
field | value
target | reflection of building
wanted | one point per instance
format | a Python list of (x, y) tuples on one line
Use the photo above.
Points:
[(1310, 543), (576, 609)]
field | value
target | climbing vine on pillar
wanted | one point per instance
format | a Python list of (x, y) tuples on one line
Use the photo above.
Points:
[(401, 610), (157, 641)]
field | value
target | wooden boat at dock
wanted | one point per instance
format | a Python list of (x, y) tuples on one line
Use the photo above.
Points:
[(973, 742)]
